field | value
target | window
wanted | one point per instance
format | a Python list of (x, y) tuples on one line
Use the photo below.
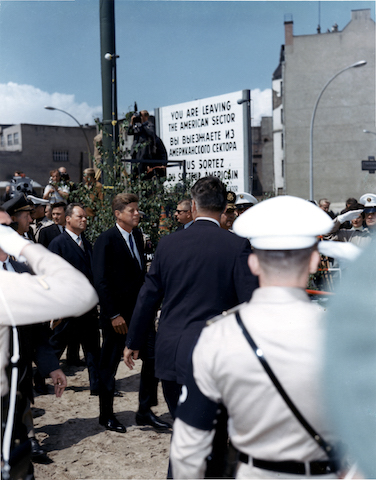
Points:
[(2, 141), (10, 139), (283, 168), (282, 115), (60, 156), (282, 140), (16, 138)]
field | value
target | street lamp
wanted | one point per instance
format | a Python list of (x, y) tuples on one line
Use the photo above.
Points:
[(79, 124), (368, 131), (354, 65), (247, 132)]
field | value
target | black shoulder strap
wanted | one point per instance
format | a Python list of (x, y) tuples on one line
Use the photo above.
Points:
[(259, 354)]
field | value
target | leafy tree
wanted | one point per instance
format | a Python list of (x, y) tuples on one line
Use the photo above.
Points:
[(158, 198)]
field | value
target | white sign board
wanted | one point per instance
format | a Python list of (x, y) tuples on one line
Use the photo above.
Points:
[(208, 134)]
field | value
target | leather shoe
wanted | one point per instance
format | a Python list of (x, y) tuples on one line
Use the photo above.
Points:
[(113, 425), (117, 393), (149, 418), (36, 449)]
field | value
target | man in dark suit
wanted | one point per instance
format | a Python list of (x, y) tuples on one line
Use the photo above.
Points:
[(47, 234), (198, 273), (75, 249), (119, 270), (183, 214)]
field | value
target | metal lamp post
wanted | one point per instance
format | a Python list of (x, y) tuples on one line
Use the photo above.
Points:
[(79, 124), (247, 131), (354, 65)]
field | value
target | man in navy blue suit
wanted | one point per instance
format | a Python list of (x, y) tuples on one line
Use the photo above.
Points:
[(198, 273), (75, 249), (119, 271)]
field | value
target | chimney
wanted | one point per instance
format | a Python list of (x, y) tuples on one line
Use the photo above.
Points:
[(289, 26)]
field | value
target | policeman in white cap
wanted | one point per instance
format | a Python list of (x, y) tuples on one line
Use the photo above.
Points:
[(369, 202), (276, 425), (244, 201), (38, 215)]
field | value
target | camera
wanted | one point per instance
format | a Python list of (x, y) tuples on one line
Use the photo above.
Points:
[(20, 185)]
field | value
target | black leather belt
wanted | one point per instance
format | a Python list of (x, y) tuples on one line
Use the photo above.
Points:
[(298, 468)]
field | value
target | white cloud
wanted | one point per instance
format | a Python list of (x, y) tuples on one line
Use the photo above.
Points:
[(25, 104), (261, 105)]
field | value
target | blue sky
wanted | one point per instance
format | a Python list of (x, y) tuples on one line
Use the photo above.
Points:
[(170, 52)]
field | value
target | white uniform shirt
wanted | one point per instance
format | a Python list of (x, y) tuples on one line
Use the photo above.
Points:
[(57, 289), (287, 327)]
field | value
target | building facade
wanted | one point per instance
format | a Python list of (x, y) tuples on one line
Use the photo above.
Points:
[(262, 157), (346, 108), (37, 149)]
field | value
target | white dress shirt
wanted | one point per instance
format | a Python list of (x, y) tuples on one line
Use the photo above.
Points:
[(126, 236)]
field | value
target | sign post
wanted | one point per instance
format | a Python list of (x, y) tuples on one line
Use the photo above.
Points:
[(210, 134)]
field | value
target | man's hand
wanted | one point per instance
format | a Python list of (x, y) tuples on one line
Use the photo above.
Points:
[(129, 357), (60, 381), (119, 325)]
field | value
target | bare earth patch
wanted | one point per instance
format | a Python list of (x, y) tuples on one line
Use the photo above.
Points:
[(79, 448)]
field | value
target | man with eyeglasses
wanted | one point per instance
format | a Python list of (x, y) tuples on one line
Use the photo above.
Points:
[(183, 214)]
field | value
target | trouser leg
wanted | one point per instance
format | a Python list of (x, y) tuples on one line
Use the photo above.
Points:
[(112, 348), (148, 390), (89, 338), (171, 392)]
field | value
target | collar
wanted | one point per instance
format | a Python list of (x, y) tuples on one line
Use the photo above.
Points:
[(188, 224), (123, 232), (208, 218), (73, 235), (279, 295)]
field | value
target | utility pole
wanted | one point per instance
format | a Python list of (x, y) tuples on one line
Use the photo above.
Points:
[(108, 68)]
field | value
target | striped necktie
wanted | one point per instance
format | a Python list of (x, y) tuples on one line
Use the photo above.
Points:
[(80, 243)]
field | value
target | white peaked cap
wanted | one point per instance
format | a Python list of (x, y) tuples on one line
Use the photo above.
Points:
[(368, 200), (283, 223), (243, 198)]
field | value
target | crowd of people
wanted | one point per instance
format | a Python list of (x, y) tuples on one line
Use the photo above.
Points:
[(234, 412)]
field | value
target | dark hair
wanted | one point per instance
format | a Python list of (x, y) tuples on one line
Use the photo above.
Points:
[(59, 204), (122, 200), (210, 194), (273, 261), (70, 207)]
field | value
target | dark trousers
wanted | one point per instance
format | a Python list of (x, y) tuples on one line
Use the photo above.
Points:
[(85, 330), (112, 349), (216, 461)]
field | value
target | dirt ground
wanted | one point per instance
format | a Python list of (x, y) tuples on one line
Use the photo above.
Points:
[(79, 448)]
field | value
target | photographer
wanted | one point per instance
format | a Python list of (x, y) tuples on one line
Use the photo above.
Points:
[(56, 190), (144, 144)]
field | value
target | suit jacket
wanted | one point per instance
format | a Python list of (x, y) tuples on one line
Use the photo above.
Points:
[(47, 234), (117, 275), (198, 272), (34, 346), (67, 248)]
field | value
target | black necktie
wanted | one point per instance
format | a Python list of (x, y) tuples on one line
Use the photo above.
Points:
[(131, 243)]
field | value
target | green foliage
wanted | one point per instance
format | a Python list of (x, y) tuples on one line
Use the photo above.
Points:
[(157, 197)]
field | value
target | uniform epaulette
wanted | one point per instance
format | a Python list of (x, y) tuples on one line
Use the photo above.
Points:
[(224, 314)]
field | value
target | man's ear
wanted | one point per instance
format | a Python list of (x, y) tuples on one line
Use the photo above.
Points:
[(116, 213), (314, 261), (254, 264), (194, 209)]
